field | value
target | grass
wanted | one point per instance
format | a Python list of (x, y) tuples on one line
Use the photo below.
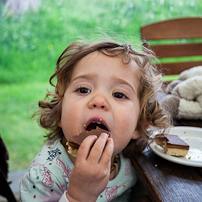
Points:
[(21, 134), (31, 44)]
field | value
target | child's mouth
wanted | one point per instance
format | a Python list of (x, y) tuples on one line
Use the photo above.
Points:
[(94, 124)]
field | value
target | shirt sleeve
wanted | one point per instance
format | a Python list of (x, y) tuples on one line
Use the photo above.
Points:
[(39, 184), (63, 198)]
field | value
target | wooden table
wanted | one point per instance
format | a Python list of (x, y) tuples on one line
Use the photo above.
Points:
[(168, 181)]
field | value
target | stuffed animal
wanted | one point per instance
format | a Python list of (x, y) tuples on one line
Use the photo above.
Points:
[(184, 96)]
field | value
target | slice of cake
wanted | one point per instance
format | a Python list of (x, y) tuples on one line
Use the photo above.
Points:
[(172, 144), (75, 141)]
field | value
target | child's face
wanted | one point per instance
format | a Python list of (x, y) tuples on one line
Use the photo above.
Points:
[(102, 89)]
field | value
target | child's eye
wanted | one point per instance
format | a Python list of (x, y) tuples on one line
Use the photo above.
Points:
[(119, 95), (83, 90)]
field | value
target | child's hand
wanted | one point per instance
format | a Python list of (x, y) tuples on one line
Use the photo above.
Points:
[(91, 172)]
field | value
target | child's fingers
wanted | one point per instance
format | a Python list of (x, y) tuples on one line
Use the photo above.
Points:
[(98, 148), (85, 147), (108, 152)]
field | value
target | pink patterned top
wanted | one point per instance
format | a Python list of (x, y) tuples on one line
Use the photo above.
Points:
[(48, 177)]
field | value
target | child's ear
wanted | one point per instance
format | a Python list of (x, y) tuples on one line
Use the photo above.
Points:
[(137, 132)]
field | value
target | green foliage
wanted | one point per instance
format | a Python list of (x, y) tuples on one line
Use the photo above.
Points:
[(32, 42), (21, 134)]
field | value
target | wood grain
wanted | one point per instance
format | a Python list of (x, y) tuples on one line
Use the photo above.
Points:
[(167, 181), (179, 28)]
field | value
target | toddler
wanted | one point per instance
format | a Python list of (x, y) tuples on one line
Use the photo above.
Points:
[(98, 84)]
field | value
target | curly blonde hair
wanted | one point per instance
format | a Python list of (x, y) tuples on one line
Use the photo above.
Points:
[(151, 112)]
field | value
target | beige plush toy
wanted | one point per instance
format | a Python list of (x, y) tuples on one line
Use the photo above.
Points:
[(184, 96)]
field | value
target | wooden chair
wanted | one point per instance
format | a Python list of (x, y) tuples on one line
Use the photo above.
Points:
[(174, 39)]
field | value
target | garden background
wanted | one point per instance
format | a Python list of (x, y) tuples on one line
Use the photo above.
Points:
[(31, 42)]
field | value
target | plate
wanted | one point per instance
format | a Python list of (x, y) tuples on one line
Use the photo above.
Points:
[(193, 137)]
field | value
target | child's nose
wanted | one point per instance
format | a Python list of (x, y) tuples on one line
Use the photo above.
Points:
[(99, 102)]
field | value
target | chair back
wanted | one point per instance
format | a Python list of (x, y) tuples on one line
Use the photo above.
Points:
[(5, 189), (177, 43)]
